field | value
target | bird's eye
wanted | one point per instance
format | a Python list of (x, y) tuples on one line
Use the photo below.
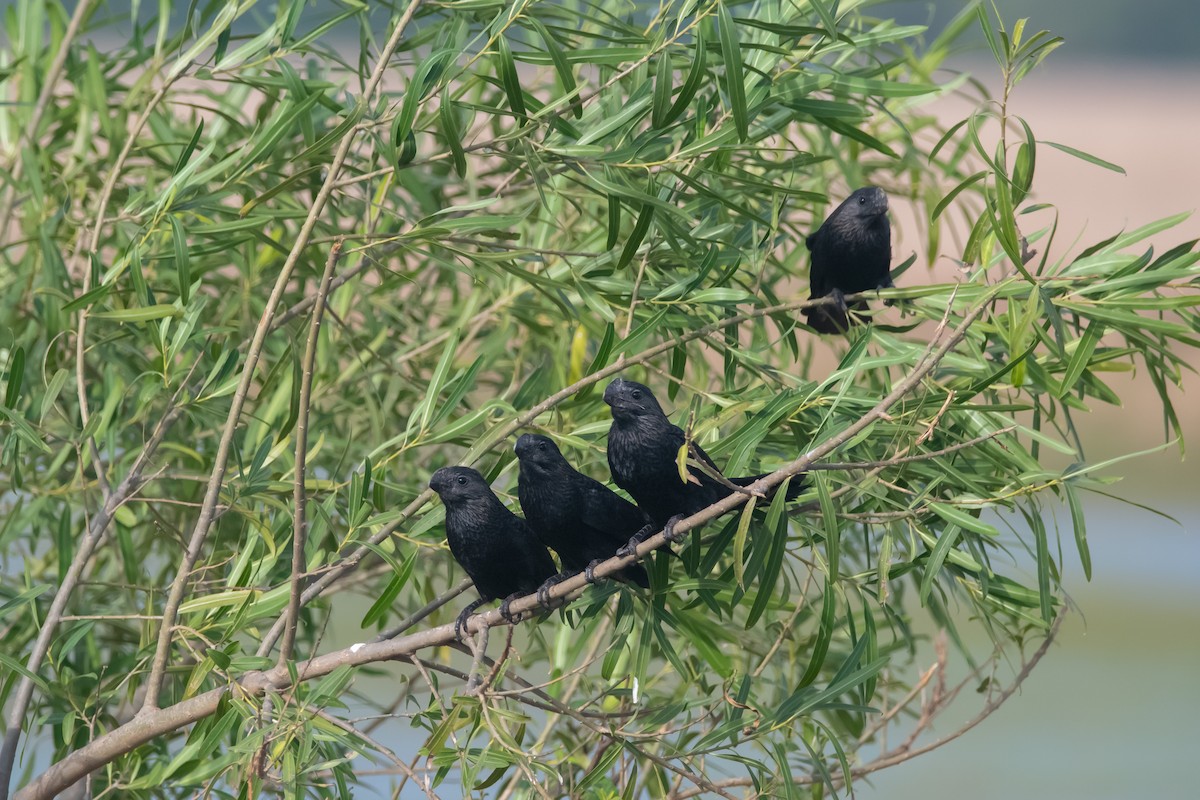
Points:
[(541, 445), (636, 394), (462, 481), (862, 201)]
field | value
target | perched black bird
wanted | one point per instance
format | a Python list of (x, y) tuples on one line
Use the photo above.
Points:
[(851, 252), (643, 452), (497, 549), (579, 518)]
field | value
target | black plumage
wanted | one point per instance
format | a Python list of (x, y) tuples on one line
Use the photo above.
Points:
[(576, 516), (851, 252), (643, 452), (497, 548)]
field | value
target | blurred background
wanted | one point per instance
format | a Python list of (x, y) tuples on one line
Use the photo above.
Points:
[(1112, 711)]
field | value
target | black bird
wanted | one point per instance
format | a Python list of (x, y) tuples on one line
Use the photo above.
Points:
[(643, 451), (851, 252), (497, 549), (579, 518)]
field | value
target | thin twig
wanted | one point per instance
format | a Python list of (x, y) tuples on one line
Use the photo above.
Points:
[(299, 495), (17, 166), (158, 722), (351, 561), (207, 514), (430, 607), (896, 461)]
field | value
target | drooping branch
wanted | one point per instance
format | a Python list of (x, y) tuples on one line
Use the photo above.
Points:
[(299, 497), (212, 493), (157, 722)]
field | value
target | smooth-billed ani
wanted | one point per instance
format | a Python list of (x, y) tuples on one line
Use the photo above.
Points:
[(579, 518), (851, 252), (643, 452), (496, 547)]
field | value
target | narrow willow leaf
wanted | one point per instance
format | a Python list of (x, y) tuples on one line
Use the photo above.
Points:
[(735, 86), (953, 193), (1088, 157), (739, 538), (959, 517), (188, 149), (640, 229), (829, 522), (53, 389), (768, 578), (506, 69), (183, 264), (562, 68), (614, 222), (16, 376), (1080, 359), (452, 133), (691, 84), (143, 314), (662, 90), (383, 603), (824, 635), (579, 343), (1044, 567), (933, 566), (1079, 523), (437, 380)]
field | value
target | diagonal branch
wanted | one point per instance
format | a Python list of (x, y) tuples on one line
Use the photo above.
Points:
[(299, 498), (351, 561), (208, 509), (152, 723)]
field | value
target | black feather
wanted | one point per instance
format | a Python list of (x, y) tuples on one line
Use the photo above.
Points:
[(576, 516), (495, 546), (851, 253), (643, 450)]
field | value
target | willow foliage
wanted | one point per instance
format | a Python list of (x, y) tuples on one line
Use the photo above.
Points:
[(489, 208)]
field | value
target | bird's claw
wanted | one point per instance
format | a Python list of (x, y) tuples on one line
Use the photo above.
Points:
[(630, 549), (460, 624), (589, 572), (506, 612), (669, 529), (839, 301), (543, 592)]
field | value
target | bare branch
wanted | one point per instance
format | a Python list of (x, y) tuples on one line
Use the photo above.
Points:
[(299, 497), (207, 513), (152, 723)]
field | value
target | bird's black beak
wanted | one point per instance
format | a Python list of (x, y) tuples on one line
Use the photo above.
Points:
[(437, 481), (521, 448), (613, 393)]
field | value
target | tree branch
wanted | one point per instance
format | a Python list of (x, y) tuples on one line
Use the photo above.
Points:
[(299, 497), (157, 722), (208, 510)]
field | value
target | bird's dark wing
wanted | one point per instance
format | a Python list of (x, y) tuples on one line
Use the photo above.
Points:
[(609, 514), (531, 563)]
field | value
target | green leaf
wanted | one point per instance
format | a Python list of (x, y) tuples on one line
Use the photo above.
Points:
[(735, 86), (640, 229), (16, 376), (691, 83), (1079, 523), (824, 635), (961, 518), (1088, 157), (183, 268), (142, 314), (452, 133), (507, 72)]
